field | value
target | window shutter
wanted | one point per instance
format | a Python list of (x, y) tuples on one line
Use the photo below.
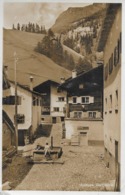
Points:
[(91, 99), (70, 100), (79, 100)]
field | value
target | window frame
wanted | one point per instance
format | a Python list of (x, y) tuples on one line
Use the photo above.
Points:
[(61, 99), (87, 100), (56, 109), (10, 100), (74, 97), (20, 120)]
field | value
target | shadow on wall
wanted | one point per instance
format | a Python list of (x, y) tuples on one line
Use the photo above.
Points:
[(43, 130)]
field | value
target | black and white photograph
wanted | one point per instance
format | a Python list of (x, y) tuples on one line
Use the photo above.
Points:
[(61, 96)]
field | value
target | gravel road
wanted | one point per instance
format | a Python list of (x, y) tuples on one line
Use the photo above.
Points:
[(84, 169)]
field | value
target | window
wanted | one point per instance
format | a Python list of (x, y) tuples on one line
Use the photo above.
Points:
[(117, 53), (37, 101), (111, 64), (120, 41), (74, 100), (115, 62), (62, 119), (10, 100), (56, 109), (77, 114), (81, 86), (116, 94), (20, 118), (59, 90), (106, 71), (85, 100), (110, 103), (82, 128), (116, 101), (118, 45), (92, 114), (40, 102), (83, 133), (106, 101), (64, 110), (61, 99)]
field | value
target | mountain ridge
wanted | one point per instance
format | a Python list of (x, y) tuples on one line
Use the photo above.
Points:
[(72, 14)]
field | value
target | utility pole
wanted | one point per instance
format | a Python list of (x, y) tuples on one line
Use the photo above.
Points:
[(15, 120)]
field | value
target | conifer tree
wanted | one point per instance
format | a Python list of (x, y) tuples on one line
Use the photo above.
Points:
[(18, 26)]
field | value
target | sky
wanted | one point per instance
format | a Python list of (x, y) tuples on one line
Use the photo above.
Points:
[(41, 13)]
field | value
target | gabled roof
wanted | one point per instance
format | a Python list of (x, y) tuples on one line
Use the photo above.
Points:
[(44, 85), (26, 88), (112, 9), (92, 77)]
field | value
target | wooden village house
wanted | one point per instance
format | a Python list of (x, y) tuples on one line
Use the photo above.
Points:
[(53, 102), (84, 107), (28, 110)]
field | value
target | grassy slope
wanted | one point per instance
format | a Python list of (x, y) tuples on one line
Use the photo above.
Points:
[(29, 61)]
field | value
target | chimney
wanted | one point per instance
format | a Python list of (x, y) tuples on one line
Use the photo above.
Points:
[(74, 73), (62, 80), (31, 83)]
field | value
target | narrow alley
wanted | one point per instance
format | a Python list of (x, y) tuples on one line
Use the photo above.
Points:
[(83, 169)]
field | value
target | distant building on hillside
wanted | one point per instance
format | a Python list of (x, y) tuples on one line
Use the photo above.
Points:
[(110, 43), (84, 107), (53, 102)]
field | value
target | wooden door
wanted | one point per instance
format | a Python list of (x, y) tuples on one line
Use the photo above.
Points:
[(117, 168), (53, 119), (21, 138), (83, 139)]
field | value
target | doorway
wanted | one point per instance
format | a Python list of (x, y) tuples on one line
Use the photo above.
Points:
[(117, 168), (116, 151), (62, 118), (21, 138), (83, 139), (53, 119)]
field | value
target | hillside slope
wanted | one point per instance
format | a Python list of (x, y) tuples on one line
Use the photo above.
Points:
[(76, 56), (29, 61), (65, 20)]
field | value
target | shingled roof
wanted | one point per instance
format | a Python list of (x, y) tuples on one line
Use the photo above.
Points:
[(93, 78)]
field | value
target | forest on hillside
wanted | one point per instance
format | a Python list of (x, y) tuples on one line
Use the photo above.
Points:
[(51, 46), (30, 27)]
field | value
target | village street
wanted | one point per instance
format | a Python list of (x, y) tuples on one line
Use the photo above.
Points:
[(83, 169)]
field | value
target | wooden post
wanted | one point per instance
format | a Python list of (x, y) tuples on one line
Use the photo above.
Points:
[(16, 109), (51, 141)]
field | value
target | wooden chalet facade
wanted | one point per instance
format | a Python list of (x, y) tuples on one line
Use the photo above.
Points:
[(53, 102), (84, 106), (28, 110)]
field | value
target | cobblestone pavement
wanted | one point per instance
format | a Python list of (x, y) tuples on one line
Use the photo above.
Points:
[(84, 169)]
